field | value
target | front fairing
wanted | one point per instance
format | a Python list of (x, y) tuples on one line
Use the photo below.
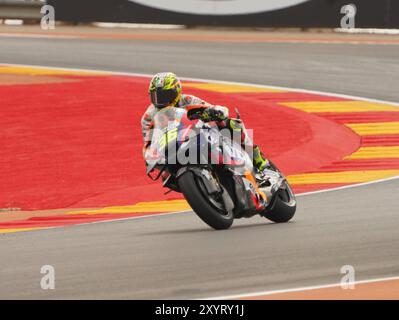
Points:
[(169, 123)]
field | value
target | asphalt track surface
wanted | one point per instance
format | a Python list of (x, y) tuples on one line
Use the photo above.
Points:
[(177, 256)]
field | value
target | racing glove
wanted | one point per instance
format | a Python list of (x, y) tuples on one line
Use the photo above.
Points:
[(214, 114)]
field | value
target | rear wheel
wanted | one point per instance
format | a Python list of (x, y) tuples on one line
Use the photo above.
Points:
[(208, 208), (284, 205)]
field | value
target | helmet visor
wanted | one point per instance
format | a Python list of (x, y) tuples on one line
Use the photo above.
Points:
[(162, 98)]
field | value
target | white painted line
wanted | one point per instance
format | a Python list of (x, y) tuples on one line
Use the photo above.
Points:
[(13, 22), (348, 186), (147, 75), (98, 222), (138, 25), (328, 42), (367, 31), (273, 292)]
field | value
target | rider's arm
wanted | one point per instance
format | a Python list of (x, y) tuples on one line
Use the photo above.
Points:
[(221, 113), (147, 124)]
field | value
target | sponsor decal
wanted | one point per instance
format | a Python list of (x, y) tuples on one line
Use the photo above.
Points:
[(219, 7)]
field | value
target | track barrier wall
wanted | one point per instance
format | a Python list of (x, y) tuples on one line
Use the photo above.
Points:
[(237, 13)]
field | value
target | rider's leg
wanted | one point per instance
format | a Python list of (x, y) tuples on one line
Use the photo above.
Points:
[(237, 127)]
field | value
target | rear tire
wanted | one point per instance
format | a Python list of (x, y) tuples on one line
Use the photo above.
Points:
[(188, 184), (284, 206)]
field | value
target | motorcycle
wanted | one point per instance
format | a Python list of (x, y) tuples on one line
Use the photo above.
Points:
[(213, 172)]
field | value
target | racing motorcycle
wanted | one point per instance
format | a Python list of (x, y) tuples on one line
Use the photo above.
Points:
[(213, 172)]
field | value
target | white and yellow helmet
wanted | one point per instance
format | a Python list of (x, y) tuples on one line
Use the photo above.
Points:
[(165, 90)]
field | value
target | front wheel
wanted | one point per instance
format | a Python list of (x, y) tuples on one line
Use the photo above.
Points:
[(207, 208), (283, 205)]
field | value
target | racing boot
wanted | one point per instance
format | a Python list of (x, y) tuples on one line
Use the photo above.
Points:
[(260, 162), (265, 175)]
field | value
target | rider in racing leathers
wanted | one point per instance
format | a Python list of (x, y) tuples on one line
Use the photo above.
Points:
[(165, 90)]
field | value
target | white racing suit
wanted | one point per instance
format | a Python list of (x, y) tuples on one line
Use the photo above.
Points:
[(147, 124)]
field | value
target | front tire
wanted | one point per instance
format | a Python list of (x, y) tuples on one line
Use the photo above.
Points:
[(194, 194)]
